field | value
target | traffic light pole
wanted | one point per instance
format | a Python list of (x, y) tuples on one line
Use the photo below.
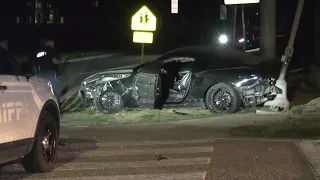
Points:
[(234, 26), (281, 100), (243, 29)]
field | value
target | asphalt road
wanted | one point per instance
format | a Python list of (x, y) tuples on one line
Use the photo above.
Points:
[(175, 160), (172, 151)]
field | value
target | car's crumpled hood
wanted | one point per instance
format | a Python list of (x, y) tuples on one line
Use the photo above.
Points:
[(114, 71)]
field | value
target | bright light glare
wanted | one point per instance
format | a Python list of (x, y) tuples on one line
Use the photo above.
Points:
[(241, 40), (223, 39)]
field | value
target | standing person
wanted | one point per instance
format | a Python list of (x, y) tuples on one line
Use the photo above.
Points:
[(32, 68), (47, 60), (5, 65), (8, 65)]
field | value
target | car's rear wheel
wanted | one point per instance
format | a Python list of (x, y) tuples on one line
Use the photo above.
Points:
[(43, 155), (108, 102), (223, 98)]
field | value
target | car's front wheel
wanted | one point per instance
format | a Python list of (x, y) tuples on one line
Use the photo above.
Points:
[(108, 102), (222, 98), (43, 155)]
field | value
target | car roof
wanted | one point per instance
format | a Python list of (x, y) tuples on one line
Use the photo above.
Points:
[(224, 53)]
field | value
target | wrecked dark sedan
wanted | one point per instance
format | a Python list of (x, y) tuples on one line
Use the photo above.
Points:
[(219, 79)]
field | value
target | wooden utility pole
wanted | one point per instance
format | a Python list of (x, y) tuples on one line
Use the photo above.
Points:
[(268, 29)]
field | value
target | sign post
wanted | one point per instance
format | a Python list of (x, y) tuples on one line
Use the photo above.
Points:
[(143, 24), (142, 52), (223, 12)]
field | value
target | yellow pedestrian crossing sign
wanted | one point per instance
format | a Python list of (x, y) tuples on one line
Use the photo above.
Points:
[(144, 20)]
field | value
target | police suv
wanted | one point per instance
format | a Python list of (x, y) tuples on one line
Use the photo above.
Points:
[(29, 122)]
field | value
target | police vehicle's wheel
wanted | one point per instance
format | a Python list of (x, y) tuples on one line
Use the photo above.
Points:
[(43, 155), (108, 102), (223, 98)]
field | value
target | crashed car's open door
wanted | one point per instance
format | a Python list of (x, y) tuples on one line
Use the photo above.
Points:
[(147, 84)]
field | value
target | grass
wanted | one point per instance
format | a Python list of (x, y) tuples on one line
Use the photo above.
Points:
[(92, 118)]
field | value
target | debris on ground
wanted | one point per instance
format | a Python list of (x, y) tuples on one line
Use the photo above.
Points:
[(62, 143), (161, 157)]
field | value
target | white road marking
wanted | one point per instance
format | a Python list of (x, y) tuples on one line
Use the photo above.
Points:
[(128, 152), (253, 50), (92, 57), (133, 164), (145, 143), (167, 176), (152, 163)]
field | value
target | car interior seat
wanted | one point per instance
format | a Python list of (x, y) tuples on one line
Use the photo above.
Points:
[(182, 84)]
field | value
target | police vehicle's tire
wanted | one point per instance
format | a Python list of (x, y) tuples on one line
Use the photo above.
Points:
[(46, 142), (223, 98), (115, 102)]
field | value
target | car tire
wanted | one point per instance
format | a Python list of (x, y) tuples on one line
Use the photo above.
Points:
[(35, 161), (103, 109), (234, 98)]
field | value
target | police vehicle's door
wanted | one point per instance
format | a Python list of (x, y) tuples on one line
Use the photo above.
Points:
[(15, 129), (148, 86)]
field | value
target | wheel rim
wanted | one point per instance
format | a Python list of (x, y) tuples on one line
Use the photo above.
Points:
[(158, 90), (110, 100), (222, 100), (48, 142)]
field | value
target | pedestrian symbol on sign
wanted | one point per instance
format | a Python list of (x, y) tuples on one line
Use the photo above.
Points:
[(146, 17), (141, 18)]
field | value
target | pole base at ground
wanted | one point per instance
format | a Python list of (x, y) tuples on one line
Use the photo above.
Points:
[(268, 112), (281, 101)]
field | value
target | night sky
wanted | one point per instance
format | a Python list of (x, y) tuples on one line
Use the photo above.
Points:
[(108, 25)]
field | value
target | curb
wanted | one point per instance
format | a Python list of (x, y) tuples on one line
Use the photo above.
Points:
[(92, 57), (311, 150)]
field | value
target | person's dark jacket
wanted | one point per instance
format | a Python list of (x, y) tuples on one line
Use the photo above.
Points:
[(44, 58), (6, 66)]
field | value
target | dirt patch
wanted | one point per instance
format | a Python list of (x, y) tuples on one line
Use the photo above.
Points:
[(91, 117), (290, 127)]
